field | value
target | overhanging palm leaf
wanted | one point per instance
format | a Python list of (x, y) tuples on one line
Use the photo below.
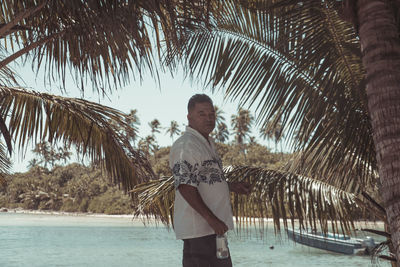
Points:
[(100, 40), (6, 134), (298, 65), (156, 199), (89, 126), (7, 76), (275, 194), (287, 196), (4, 164)]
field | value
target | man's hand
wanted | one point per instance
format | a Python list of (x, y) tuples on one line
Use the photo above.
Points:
[(240, 187), (217, 225)]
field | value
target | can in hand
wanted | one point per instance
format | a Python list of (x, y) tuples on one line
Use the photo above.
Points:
[(222, 247)]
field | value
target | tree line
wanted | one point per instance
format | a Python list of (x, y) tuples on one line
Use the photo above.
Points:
[(50, 185), (240, 130), (326, 70)]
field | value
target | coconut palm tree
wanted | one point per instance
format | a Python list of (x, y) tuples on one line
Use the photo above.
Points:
[(33, 163), (173, 129), (148, 145), (241, 125), (310, 82), (273, 132), (378, 25), (283, 48), (299, 63), (133, 122), (221, 134), (49, 154), (155, 126), (219, 115)]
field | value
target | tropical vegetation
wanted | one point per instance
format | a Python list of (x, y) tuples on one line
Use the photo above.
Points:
[(50, 186), (103, 44), (325, 72), (301, 63)]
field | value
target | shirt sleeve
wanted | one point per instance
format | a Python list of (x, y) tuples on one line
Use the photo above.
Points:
[(185, 167)]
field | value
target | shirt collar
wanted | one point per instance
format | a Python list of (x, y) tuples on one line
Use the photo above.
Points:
[(198, 134)]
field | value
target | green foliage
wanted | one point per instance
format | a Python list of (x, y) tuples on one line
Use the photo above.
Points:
[(73, 188), (160, 162), (255, 155), (112, 202), (49, 154), (76, 188)]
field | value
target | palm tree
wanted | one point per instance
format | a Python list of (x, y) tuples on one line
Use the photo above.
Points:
[(219, 117), (173, 129), (44, 150), (221, 134), (155, 126), (300, 63), (308, 80), (33, 163), (49, 154), (378, 26), (133, 122), (318, 85), (272, 130), (148, 145), (241, 124)]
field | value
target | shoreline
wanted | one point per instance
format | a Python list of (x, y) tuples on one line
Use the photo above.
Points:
[(66, 213), (146, 220)]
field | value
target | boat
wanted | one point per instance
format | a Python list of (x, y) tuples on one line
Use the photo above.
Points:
[(332, 242)]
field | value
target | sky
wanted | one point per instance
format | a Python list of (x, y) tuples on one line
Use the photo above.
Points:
[(165, 100)]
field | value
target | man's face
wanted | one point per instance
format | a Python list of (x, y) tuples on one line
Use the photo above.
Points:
[(202, 118)]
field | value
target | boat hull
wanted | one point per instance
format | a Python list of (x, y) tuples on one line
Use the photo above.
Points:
[(349, 246)]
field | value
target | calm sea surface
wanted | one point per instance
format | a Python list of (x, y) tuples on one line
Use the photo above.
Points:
[(56, 240)]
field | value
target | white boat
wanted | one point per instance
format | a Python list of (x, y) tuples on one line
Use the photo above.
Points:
[(332, 242)]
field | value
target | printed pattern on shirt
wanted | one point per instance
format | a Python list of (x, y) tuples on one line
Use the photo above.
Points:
[(209, 171)]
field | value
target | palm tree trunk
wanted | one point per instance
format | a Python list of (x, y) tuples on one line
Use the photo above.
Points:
[(380, 45)]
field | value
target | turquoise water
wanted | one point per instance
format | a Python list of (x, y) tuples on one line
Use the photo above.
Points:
[(55, 240)]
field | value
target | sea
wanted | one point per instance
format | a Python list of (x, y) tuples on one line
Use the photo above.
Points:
[(94, 240)]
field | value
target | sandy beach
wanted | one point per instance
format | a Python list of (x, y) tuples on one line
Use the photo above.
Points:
[(145, 220)]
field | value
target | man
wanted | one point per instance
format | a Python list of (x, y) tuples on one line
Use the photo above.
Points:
[(202, 200)]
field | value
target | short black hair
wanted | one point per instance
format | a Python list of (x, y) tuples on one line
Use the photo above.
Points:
[(198, 98)]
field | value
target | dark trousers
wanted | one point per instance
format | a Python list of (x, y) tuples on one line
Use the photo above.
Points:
[(201, 252)]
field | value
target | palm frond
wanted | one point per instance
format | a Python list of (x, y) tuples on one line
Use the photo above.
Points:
[(155, 200), (288, 197), (5, 164), (295, 67), (6, 134), (7, 76), (99, 40), (90, 127), (278, 195), (381, 248)]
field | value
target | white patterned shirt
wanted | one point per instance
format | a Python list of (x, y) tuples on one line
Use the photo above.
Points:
[(195, 162)]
